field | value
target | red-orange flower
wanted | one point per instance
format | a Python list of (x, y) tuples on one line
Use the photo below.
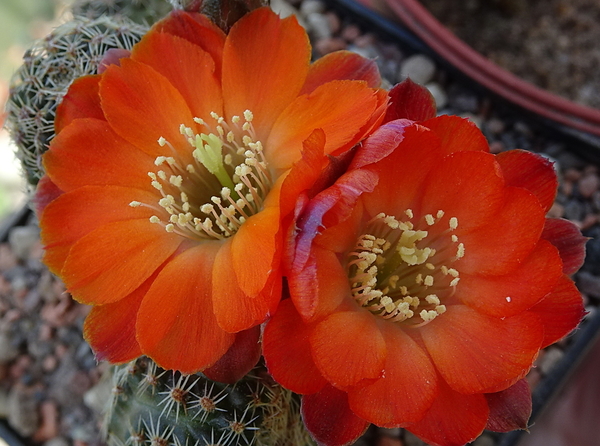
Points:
[(423, 284), (172, 165)]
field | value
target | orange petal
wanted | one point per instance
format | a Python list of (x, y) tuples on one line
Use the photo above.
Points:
[(457, 134), (348, 347), (475, 352), (110, 328), (113, 260), (515, 292), (89, 152), (339, 108), (176, 325), (560, 311), (407, 389), (341, 65), (189, 69), (234, 309), (74, 214), (466, 185), (141, 106), (257, 239), (507, 239), (197, 29), (81, 101), (453, 419), (284, 333), (264, 71), (329, 420), (532, 172)]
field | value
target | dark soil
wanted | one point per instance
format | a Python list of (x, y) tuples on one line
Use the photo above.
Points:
[(554, 44)]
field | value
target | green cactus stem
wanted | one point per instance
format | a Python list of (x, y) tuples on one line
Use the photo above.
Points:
[(164, 408)]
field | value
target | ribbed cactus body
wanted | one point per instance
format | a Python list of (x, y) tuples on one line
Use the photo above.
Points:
[(140, 11), (164, 408), (73, 49)]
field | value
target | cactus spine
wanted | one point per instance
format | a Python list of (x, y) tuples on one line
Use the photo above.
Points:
[(164, 408)]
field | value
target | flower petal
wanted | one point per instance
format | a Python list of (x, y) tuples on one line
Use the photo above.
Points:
[(187, 67), (474, 352), (339, 108), (407, 389), (560, 311), (329, 420), (263, 72), (285, 332), (510, 409), (91, 142), (81, 101), (341, 65), (515, 292), (567, 238), (110, 328), (142, 106), (532, 172), (348, 347), (457, 134), (77, 213), (176, 325), (453, 419), (241, 357), (113, 260), (409, 100), (234, 309), (507, 239)]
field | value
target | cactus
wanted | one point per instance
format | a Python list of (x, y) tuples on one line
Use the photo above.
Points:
[(73, 49), (145, 12), (164, 408)]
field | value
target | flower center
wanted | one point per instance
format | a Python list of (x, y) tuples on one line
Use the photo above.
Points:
[(401, 271), (224, 183)]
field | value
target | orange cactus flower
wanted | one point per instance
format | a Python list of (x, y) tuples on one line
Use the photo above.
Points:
[(423, 284), (171, 168)]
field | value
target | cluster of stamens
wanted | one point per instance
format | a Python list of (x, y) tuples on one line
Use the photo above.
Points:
[(227, 159), (396, 273)]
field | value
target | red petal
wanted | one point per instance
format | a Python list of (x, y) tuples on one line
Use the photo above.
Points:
[(264, 71), (560, 311), (532, 172), (115, 259), (510, 409), (189, 69), (409, 100), (110, 328), (142, 106), (457, 134), (77, 213), (348, 347), (176, 325), (341, 65), (235, 310), (515, 292), (241, 357), (407, 389), (81, 101), (568, 239), (453, 419), (507, 239), (89, 152), (284, 333), (329, 420), (197, 29), (475, 353)]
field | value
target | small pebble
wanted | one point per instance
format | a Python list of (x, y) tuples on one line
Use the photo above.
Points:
[(588, 185), (438, 93), (312, 6), (551, 357), (319, 26), (588, 284), (418, 68)]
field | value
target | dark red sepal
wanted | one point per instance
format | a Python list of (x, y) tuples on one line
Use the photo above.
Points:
[(567, 238), (46, 191), (329, 420), (241, 357), (409, 100), (510, 409)]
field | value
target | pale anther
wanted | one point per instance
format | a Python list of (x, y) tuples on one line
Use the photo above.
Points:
[(429, 219), (135, 204), (453, 222)]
